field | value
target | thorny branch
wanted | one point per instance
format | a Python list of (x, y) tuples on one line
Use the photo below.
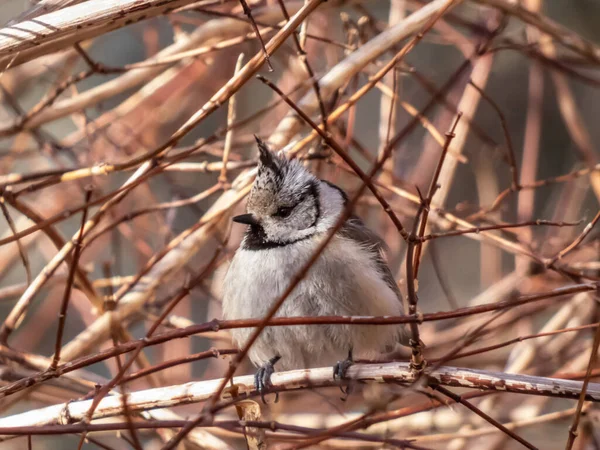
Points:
[(159, 217)]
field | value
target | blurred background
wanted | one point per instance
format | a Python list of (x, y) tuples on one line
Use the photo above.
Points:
[(91, 106)]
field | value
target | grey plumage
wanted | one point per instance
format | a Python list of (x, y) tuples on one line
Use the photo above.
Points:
[(290, 212), (356, 230)]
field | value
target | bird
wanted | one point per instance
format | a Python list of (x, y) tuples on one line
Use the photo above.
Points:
[(289, 212)]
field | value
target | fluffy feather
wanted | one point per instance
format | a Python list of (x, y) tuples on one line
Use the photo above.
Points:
[(350, 277)]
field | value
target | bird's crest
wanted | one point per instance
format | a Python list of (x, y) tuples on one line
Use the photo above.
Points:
[(270, 168)]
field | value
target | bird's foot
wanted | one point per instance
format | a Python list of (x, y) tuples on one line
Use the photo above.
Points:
[(262, 378), (339, 371)]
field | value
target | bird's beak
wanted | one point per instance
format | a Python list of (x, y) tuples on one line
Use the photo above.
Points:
[(247, 219)]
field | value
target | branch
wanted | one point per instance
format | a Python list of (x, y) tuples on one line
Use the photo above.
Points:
[(199, 391), (24, 41), (566, 37), (338, 75), (205, 36), (86, 339)]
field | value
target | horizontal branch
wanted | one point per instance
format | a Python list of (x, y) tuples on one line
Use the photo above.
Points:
[(199, 391), (216, 325), (24, 41), (235, 426)]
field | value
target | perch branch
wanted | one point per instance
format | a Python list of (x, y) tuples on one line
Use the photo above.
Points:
[(199, 391)]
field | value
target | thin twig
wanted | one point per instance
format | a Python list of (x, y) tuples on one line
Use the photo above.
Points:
[(62, 315), (183, 292), (512, 161), (230, 120), (433, 187), (573, 245), (331, 142), (215, 325), (486, 417), (593, 356), (248, 13), (13, 229), (504, 226), (303, 57)]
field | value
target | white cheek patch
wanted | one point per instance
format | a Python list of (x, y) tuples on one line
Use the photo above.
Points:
[(332, 205)]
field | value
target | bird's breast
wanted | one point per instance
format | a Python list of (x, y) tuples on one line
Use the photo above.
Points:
[(342, 281), (256, 279)]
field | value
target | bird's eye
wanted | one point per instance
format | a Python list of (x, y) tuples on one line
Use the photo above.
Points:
[(284, 211)]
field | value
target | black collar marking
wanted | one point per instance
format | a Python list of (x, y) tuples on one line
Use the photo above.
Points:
[(255, 239)]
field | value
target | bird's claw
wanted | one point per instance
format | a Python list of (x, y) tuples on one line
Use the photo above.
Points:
[(339, 371), (262, 378)]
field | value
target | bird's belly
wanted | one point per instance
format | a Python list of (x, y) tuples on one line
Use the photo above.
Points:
[(330, 288)]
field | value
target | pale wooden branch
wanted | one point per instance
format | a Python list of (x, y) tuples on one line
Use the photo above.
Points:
[(425, 123), (231, 114), (42, 7), (523, 355), (572, 116), (467, 106), (16, 314), (189, 245), (352, 64), (199, 391), (24, 41), (52, 165), (192, 239), (212, 32)]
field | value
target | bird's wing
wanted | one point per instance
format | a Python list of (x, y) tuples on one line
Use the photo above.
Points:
[(356, 230)]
